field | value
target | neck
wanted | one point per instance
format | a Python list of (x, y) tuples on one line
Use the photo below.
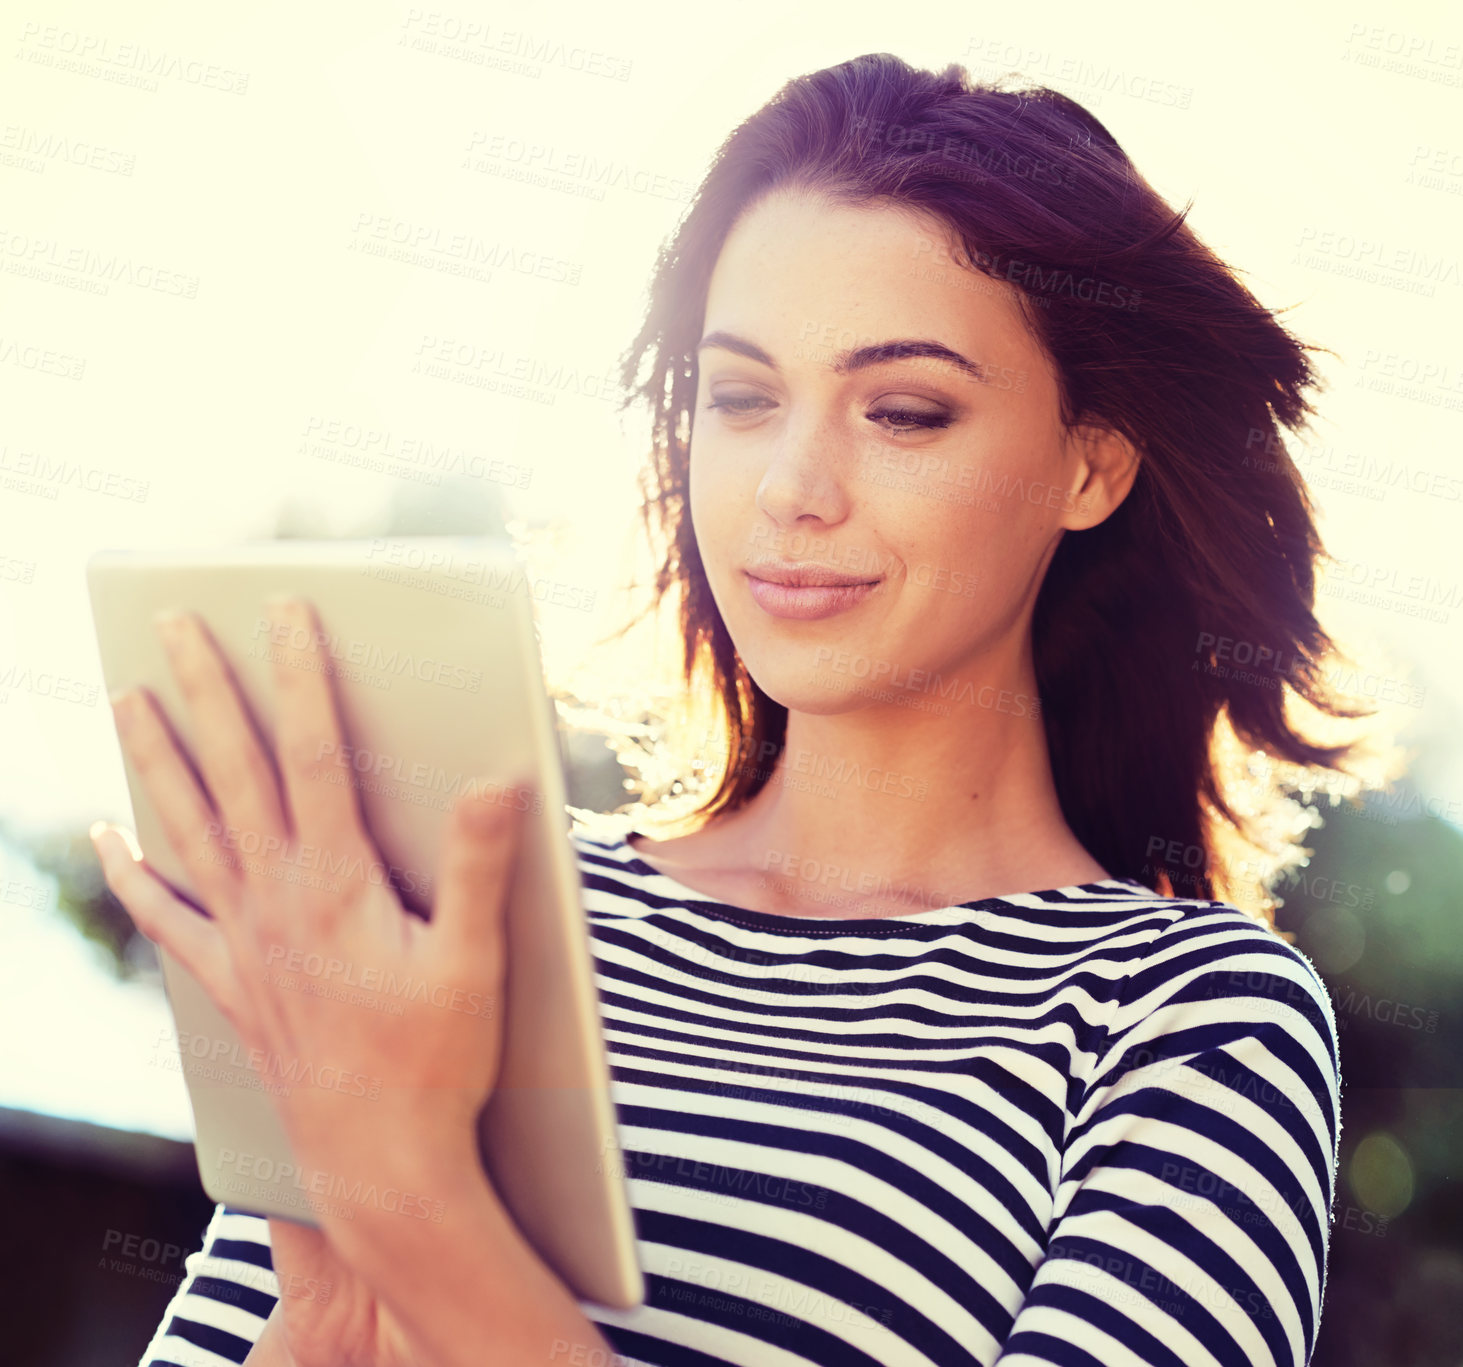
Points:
[(944, 800)]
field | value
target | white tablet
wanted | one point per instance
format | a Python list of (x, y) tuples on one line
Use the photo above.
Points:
[(438, 680)]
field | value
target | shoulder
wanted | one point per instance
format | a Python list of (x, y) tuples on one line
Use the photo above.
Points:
[(1213, 952), (611, 873), (1221, 993), (601, 841), (228, 1289)]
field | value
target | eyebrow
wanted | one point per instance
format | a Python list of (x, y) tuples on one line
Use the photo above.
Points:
[(846, 362)]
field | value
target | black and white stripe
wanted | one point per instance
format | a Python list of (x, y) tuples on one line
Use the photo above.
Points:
[(1088, 1126)]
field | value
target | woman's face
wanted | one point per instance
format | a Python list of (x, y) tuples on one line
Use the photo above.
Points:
[(945, 484)]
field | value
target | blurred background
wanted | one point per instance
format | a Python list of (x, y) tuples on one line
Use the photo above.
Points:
[(368, 270)]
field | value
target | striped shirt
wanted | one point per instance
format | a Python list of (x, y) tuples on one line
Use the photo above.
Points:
[(1090, 1126)]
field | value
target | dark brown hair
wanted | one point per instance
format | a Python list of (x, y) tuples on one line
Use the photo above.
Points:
[(1151, 335)]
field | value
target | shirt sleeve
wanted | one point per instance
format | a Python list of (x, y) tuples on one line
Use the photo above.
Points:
[(1194, 1202), (228, 1289)]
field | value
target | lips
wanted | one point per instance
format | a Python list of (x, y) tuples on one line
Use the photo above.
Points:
[(816, 592), (807, 576)]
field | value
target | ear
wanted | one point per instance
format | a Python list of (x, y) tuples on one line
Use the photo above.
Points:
[(1104, 466)]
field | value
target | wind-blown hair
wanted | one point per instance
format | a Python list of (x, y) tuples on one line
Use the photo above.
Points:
[(1150, 334)]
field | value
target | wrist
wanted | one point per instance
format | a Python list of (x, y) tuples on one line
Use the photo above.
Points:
[(383, 1200), (369, 1192), (468, 1279)]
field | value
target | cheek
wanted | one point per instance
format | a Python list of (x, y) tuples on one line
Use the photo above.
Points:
[(707, 504), (716, 487), (963, 562), (698, 497)]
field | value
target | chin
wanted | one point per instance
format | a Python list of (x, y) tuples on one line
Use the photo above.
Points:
[(804, 678)]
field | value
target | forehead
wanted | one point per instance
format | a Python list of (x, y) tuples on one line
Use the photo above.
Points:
[(796, 268)]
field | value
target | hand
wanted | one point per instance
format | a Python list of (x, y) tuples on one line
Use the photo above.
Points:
[(368, 1085), (346, 1324)]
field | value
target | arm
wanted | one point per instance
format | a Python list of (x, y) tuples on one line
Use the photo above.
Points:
[(415, 1080), (469, 1283), (1198, 1173), (228, 1291), (271, 1350)]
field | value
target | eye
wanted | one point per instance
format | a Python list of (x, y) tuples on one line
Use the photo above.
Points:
[(907, 419), (739, 404), (893, 418)]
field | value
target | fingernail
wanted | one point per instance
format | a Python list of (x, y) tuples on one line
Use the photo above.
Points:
[(121, 700), (288, 606), (170, 625), (95, 829)]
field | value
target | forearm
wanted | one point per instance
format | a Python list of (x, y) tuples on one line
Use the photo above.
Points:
[(470, 1288), (270, 1349)]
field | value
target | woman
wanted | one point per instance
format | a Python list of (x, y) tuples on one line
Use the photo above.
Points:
[(932, 1044)]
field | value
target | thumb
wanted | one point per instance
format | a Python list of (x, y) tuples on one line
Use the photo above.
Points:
[(479, 856), (299, 1254)]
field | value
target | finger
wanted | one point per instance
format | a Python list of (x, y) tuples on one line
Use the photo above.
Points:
[(304, 1258), (188, 819), (164, 917), (231, 756), (301, 1252), (319, 787), (479, 855)]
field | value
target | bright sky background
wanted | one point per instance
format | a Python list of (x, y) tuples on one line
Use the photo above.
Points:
[(284, 148)]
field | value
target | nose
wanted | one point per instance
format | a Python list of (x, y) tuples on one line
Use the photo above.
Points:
[(808, 474)]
